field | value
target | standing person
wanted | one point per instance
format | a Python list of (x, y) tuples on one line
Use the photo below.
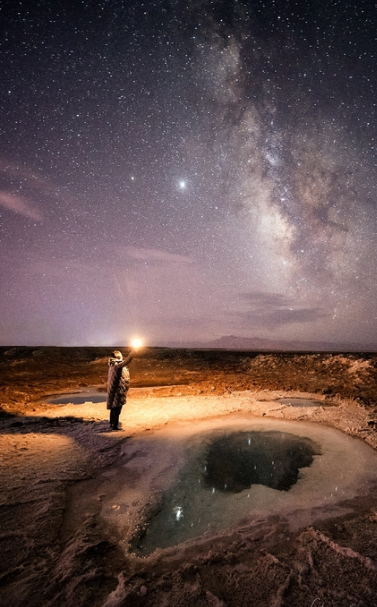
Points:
[(118, 382)]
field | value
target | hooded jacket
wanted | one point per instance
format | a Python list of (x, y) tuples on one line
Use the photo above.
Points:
[(118, 381)]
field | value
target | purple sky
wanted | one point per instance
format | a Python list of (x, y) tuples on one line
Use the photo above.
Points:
[(187, 170)]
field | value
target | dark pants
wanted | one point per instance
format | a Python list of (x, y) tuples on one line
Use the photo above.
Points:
[(114, 416)]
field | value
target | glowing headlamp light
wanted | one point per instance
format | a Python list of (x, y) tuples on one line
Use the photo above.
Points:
[(136, 343)]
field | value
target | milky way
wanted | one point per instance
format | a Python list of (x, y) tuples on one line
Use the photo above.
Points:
[(187, 170)]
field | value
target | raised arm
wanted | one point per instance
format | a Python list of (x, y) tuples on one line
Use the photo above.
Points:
[(127, 360)]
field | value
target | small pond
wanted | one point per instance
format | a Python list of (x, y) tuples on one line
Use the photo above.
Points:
[(78, 398), (304, 402), (191, 479)]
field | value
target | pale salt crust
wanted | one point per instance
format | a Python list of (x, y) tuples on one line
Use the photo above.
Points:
[(124, 495), (50, 512)]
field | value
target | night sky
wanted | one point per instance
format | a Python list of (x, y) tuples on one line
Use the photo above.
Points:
[(182, 171)]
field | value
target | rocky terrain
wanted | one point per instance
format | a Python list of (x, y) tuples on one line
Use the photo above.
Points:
[(53, 554), (28, 374)]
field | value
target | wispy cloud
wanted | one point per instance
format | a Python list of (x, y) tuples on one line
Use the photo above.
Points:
[(157, 256), (273, 310), (20, 205), (26, 192)]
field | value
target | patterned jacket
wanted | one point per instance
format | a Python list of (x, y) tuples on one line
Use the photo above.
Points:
[(118, 381)]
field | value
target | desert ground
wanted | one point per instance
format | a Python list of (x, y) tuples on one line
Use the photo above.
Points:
[(76, 500)]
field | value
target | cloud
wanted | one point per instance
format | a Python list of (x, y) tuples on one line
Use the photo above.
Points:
[(19, 205), (267, 300), (271, 310), (25, 192), (155, 256)]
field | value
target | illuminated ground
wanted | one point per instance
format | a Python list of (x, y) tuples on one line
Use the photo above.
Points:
[(73, 494)]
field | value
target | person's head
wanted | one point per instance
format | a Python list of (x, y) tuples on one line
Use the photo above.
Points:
[(117, 355)]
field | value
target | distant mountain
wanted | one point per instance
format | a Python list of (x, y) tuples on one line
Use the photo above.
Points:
[(232, 342)]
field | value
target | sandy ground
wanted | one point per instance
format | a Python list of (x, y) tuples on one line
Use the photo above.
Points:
[(61, 471)]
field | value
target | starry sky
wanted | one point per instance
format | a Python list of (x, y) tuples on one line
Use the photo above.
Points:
[(185, 170)]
